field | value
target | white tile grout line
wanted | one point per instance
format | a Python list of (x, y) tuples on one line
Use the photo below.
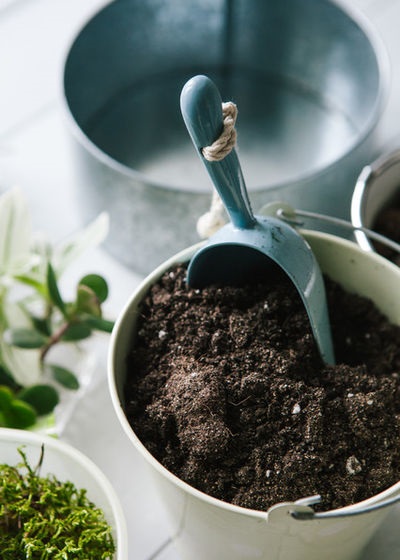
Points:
[(162, 548)]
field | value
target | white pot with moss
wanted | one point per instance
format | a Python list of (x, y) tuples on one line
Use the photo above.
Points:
[(55, 502)]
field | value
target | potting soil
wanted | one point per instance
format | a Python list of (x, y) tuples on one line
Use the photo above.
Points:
[(227, 390)]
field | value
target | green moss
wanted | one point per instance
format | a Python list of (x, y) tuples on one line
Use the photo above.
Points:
[(42, 518)]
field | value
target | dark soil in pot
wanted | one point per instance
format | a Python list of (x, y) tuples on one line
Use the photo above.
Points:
[(388, 223), (227, 390)]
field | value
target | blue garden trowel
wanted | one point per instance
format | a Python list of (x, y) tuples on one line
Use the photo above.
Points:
[(250, 246)]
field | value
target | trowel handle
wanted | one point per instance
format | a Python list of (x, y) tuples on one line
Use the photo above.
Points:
[(201, 107)]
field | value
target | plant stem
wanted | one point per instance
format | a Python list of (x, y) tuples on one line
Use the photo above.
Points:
[(54, 339)]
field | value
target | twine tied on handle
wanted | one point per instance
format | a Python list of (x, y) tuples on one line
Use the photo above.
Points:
[(215, 218)]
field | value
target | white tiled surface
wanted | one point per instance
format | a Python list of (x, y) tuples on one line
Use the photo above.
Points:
[(34, 38)]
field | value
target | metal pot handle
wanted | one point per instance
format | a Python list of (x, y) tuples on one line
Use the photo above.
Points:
[(301, 510), (303, 513), (288, 214)]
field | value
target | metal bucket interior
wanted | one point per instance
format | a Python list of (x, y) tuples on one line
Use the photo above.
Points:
[(308, 79)]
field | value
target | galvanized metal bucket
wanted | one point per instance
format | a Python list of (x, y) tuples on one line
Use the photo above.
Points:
[(309, 78)]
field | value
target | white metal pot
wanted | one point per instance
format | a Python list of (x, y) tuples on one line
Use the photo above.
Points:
[(205, 527)]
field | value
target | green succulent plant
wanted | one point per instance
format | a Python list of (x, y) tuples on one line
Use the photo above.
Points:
[(35, 316)]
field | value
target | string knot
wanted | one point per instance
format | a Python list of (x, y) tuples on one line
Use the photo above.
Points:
[(227, 140)]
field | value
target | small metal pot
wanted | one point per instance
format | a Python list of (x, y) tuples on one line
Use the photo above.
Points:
[(308, 76), (205, 527), (377, 187)]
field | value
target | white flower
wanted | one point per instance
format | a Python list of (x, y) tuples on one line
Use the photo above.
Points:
[(15, 236)]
